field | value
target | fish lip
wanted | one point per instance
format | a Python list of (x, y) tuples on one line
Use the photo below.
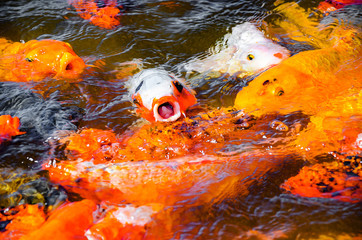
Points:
[(176, 108), (71, 67)]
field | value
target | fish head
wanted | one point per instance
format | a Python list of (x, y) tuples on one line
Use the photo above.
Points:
[(50, 58), (277, 90), (160, 96), (258, 57)]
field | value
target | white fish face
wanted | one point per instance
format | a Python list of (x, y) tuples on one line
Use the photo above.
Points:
[(257, 58), (150, 84), (244, 51), (160, 96)]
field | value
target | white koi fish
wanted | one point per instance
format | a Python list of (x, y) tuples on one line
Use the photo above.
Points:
[(159, 96), (244, 51)]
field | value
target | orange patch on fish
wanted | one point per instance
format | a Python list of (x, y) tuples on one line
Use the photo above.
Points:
[(278, 55), (9, 127), (36, 60)]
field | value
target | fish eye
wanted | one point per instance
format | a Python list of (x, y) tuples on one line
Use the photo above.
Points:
[(178, 86), (135, 101), (29, 59), (279, 92), (250, 57), (266, 82)]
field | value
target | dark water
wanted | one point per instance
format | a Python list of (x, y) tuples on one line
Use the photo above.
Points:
[(160, 35)]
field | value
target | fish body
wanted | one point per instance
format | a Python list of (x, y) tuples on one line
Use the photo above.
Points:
[(160, 96), (244, 51), (36, 60)]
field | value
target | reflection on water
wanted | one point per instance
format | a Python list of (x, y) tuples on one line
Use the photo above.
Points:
[(167, 35)]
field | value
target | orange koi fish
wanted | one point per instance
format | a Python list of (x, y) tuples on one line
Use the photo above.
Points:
[(160, 96), (105, 16), (9, 127), (306, 80), (159, 160), (38, 59), (245, 51)]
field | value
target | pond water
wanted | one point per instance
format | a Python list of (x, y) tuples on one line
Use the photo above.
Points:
[(162, 34)]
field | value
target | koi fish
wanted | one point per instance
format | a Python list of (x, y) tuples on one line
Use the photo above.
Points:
[(9, 127), (103, 14), (244, 51), (38, 59), (160, 96), (306, 80)]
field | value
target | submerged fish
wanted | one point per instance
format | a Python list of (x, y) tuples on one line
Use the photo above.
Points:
[(38, 59), (160, 96), (103, 14), (244, 51)]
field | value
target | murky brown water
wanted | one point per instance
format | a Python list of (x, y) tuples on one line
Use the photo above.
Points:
[(160, 35)]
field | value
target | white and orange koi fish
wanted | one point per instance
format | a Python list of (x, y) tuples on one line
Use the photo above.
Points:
[(159, 96)]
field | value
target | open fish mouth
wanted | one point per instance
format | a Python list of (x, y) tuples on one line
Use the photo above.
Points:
[(70, 66), (167, 111)]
